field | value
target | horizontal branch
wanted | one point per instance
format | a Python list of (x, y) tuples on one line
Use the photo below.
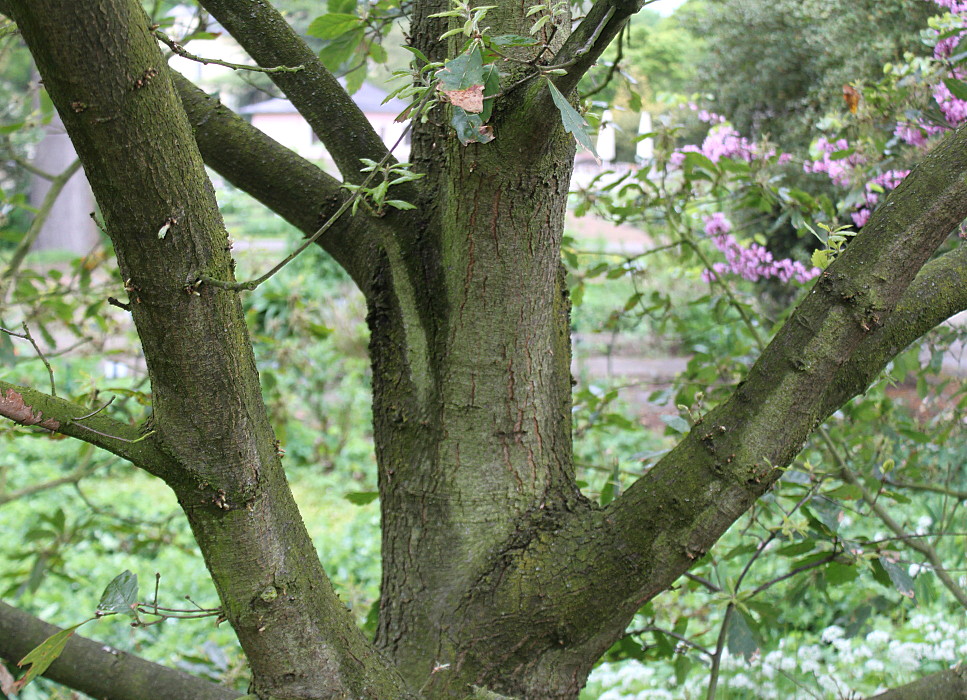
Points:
[(334, 117), (30, 407), (288, 184), (100, 670)]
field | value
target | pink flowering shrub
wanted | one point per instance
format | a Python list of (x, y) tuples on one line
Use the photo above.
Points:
[(885, 182), (753, 263), (838, 169)]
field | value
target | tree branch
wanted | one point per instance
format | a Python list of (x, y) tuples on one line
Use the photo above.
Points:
[(951, 683), (938, 292), (29, 407), (132, 135), (295, 189), (588, 41), (267, 37), (57, 184), (99, 670), (671, 516)]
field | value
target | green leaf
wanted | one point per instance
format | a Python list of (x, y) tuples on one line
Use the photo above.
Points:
[(470, 127), (898, 576), (378, 53), (344, 7), (676, 423), (333, 25), (837, 574), (399, 204), (44, 654), (503, 40), (491, 87), (355, 79), (121, 595), (339, 50), (698, 161), (361, 498), (958, 88), (574, 123), (820, 259), (741, 635), (462, 72)]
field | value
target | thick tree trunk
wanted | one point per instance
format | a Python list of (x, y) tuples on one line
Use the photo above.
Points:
[(497, 573), (133, 137)]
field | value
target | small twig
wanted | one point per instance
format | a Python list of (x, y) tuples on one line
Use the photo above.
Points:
[(112, 437), (71, 478), (95, 412), (100, 226), (850, 477), (120, 304), (28, 337), (252, 284), (674, 635), (184, 53), (953, 493), (705, 582)]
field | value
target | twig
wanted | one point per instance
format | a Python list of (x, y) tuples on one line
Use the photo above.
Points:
[(674, 635), (703, 581), (953, 493), (850, 477), (57, 184), (71, 478), (181, 51), (252, 284), (95, 412), (28, 337), (112, 437)]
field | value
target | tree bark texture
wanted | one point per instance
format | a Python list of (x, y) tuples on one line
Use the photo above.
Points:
[(497, 573)]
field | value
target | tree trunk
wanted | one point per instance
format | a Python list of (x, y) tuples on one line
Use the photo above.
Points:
[(497, 572)]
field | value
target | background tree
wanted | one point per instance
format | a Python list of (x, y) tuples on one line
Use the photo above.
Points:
[(499, 576), (782, 83)]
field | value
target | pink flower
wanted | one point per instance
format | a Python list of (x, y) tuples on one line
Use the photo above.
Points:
[(860, 217), (716, 224), (910, 133), (838, 169), (954, 110), (753, 263)]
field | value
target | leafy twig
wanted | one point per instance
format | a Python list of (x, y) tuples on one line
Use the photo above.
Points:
[(850, 477), (184, 53), (252, 284)]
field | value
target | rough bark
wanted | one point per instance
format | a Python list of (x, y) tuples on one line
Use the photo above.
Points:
[(99, 670), (105, 74), (497, 573)]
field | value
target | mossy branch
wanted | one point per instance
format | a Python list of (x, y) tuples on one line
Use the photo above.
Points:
[(32, 408)]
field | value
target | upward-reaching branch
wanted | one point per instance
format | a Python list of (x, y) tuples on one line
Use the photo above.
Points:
[(131, 133), (670, 517), (593, 35), (334, 117)]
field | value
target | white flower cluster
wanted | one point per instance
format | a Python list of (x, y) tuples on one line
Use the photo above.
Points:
[(831, 666)]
